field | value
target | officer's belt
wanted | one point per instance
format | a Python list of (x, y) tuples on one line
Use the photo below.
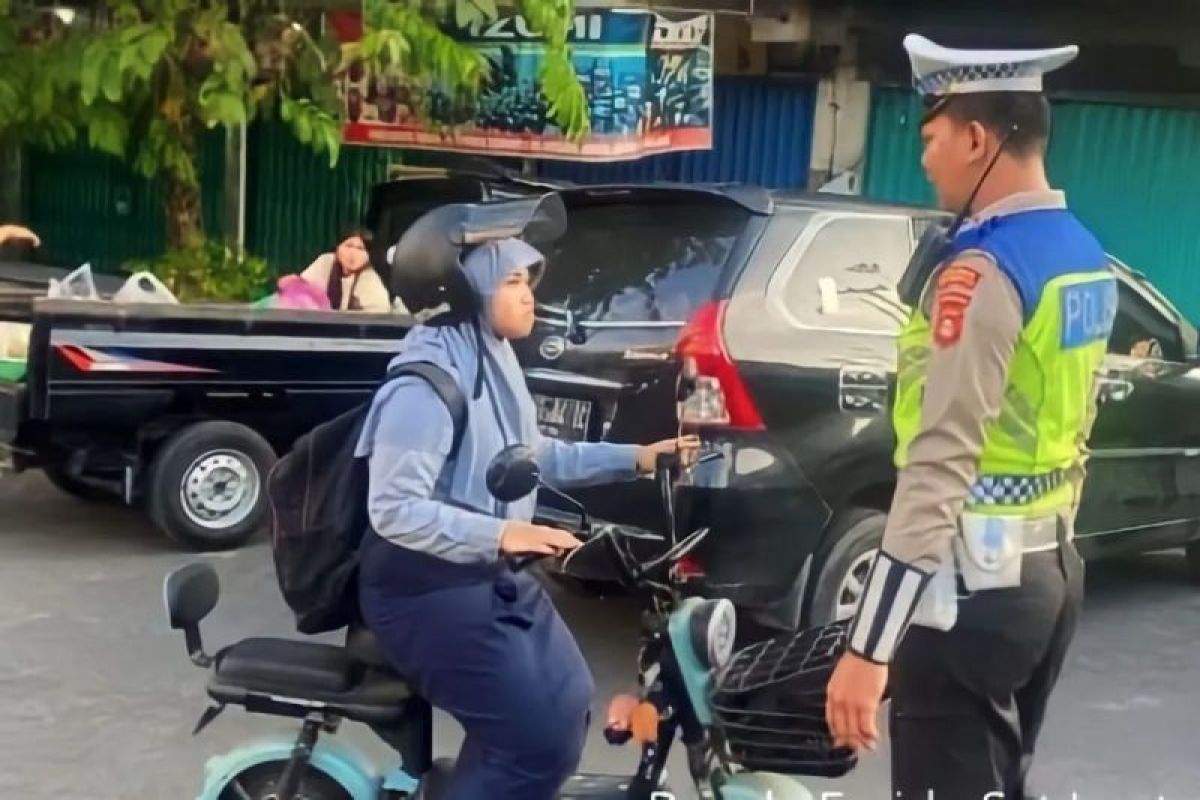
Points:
[(1010, 490)]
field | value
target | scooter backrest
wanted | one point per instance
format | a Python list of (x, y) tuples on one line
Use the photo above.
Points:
[(190, 593)]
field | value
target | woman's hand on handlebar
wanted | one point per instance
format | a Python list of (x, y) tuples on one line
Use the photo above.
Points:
[(525, 538), (686, 446)]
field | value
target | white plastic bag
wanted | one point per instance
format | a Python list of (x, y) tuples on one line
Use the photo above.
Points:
[(79, 285), (144, 287)]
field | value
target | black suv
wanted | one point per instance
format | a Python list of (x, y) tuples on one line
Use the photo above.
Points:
[(785, 306)]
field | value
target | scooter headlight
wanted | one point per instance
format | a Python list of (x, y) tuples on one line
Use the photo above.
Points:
[(714, 628)]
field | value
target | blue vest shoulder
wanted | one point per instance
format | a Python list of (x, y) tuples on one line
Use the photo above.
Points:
[(1035, 247)]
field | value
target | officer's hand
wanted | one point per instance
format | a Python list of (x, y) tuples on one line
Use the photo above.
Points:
[(852, 702), (524, 538)]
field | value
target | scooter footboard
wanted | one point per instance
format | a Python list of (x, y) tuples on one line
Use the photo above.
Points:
[(342, 764)]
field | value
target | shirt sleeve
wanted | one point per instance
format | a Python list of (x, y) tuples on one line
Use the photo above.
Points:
[(565, 464), (411, 442), (318, 271), (976, 320)]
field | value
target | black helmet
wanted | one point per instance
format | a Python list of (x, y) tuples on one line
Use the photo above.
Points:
[(769, 705), (426, 264)]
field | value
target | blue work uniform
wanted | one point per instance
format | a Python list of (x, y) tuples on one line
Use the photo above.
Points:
[(476, 639)]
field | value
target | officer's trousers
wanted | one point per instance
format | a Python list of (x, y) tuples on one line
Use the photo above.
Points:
[(967, 705), (498, 658)]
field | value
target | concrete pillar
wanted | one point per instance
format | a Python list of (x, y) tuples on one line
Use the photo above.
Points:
[(841, 119)]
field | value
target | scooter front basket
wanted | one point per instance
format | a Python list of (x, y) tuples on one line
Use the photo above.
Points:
[(769, 705)]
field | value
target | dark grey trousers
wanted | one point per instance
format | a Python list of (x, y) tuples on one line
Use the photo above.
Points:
[(968, 704)]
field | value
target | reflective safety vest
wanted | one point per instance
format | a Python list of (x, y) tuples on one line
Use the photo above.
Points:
[(1069, 299)]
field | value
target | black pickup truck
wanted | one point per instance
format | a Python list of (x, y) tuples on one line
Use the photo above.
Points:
[(784, 303)]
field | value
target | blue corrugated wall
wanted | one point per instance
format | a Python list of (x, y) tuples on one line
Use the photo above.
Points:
[(762, 135)]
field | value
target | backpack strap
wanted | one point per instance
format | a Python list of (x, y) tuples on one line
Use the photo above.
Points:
[(444, 387)]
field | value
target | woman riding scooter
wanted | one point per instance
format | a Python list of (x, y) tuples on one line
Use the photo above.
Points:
[(476, 638)]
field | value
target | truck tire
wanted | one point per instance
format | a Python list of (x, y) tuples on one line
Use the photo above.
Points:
[(207, 485), (854, 538)]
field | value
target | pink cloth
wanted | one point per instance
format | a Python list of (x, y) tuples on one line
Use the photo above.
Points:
[(295, 292)]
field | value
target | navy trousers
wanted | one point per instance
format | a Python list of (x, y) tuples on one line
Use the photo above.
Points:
[(494, 654)]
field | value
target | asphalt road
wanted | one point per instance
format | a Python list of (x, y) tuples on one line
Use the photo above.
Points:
[(97, 697)]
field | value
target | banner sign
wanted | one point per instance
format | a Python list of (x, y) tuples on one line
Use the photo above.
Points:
[(647, 77)]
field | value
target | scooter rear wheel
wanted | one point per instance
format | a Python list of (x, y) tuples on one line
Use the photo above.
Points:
[(258, 783)]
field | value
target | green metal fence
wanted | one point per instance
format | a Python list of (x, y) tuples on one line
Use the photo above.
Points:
[(296, 203), (1130, 172), (88, 206)]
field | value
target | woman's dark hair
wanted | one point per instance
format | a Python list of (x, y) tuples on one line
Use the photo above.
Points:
[(1026, 114), (351, 230), (333, 289)]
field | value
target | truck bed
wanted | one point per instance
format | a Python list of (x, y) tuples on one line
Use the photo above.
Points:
[(101, 367)]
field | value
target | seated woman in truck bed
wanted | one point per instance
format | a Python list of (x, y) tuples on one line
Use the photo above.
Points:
[(347, 277)]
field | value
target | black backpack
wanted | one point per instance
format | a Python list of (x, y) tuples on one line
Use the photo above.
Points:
[(318, 497)]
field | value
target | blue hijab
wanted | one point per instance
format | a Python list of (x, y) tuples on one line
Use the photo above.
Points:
[(420, 500)]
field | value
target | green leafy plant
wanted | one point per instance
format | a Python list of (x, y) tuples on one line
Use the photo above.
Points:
[(209, 272), (142, 80)]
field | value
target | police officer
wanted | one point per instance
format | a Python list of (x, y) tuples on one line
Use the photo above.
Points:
[(972, 602)]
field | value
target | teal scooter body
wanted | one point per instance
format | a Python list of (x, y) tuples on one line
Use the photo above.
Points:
[(686, 641)]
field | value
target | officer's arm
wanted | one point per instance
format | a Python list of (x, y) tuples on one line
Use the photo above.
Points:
[(976, 316)]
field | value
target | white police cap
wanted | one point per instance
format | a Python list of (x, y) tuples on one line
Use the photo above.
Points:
[(939, 71)]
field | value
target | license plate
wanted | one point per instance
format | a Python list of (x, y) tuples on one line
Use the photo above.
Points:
[(563, 417)]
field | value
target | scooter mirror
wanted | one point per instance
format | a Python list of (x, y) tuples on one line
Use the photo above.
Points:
[(513, 473)]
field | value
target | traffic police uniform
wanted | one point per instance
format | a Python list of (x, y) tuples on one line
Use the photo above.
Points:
[(974, 597)]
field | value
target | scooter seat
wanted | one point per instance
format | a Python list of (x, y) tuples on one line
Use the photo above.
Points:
[(293, 678), (286, 663)]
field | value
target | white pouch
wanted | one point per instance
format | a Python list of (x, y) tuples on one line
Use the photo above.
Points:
[(989, 551), (938, 606), (144, 287)]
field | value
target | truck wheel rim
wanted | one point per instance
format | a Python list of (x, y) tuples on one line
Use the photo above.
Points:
[(220, 489), (854, 583)]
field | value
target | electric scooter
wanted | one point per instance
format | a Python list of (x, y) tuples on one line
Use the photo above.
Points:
[(687, 671)]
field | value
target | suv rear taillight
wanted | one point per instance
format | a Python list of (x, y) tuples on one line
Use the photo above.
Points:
[(720, 396)]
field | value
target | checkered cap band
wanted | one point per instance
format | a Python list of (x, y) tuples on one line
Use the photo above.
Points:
[(1013, 490), (939, 82)]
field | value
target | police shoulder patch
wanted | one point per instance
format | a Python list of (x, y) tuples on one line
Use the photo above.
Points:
[(955, 290)]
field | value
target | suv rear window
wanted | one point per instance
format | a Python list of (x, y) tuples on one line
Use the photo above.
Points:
[(634, 262)]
